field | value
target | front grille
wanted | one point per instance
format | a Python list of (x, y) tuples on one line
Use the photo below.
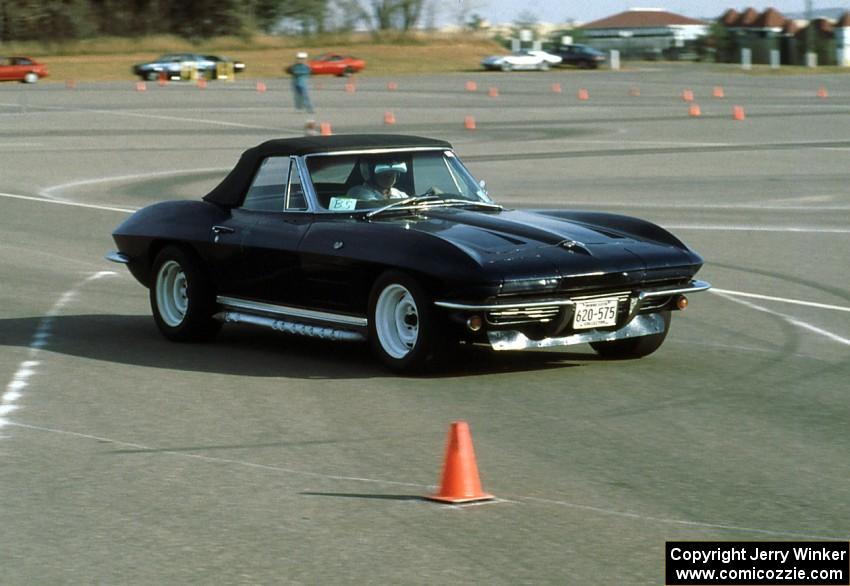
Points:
[(523, 315), (655, 303)]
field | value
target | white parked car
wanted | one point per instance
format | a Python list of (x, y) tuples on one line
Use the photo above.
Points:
[(539, 60)]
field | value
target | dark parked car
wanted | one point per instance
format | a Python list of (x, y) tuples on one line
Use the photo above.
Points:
[(23, 69), (580, 56), (301, 237), (175, 66)]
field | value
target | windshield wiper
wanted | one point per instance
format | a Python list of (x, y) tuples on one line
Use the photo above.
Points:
[(401, 203), (468, 202)]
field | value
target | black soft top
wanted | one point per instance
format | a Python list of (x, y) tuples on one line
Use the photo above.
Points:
[(232, 188)]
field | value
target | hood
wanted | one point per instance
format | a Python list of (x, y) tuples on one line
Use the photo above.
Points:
[(519, 244)]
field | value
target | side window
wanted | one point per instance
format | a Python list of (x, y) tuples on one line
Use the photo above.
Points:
[(295, 195), (268, 190)]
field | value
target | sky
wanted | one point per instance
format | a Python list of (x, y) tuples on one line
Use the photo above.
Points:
[(505, 11)]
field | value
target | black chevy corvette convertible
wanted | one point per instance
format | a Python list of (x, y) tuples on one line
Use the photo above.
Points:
[(389, 239)]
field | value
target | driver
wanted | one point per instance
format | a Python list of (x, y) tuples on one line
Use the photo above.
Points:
[(380, 179)]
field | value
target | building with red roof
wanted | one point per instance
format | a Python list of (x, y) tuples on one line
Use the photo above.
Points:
[(769, 31), (645, 32)]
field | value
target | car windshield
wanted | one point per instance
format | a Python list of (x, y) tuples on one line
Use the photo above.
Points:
[(370, 181)]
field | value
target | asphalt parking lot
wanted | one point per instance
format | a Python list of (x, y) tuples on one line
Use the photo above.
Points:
[(265, 459)]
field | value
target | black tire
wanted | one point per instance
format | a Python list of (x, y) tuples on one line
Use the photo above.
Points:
[(633, 347), (348, 72), (182, 296), (151, 75), (409, 345)]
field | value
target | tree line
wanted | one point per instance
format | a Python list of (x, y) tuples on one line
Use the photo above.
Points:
[(58, 20)]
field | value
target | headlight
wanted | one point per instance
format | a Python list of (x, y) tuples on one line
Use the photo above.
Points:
[(539, 285)]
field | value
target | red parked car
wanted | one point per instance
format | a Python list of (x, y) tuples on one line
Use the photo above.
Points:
[(335, 64), (21, 69)]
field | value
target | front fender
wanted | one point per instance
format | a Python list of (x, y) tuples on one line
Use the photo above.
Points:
[(445, 266)]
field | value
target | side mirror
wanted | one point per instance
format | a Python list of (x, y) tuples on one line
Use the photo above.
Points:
[(482, 191)]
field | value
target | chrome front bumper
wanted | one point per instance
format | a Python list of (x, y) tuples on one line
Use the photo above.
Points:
[(115, 256), (692, 287), (641, 325), (636, 324)]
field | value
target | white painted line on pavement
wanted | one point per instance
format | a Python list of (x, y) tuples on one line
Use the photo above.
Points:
[(680, 521), (780, 299), (421, 487), (48, 191), (26, 369), (159, 117), (143, 448), (790, 319), (788, 229), (178, 118), (774, 207), (68, 203)]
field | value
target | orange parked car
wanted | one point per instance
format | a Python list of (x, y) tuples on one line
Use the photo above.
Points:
[(335, 64), (22, 69)]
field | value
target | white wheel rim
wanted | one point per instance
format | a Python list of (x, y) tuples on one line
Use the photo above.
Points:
[(396, 321), (172, 297)]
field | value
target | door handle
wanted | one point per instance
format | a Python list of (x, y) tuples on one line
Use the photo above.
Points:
[(219, 230)]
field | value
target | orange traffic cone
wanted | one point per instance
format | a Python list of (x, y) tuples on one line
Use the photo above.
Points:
[(694, 111), (471, 86), (583, 94), (718, 92), (325, 128), (469, 123), (389, 117), (556, 88), (261, 87), (392, 86), (687, 95), (349, 87), (459, 482), (70, 84), (822, 93), (493, 92), (634, 92), (202, 83), (141, 86), (738, 113), (163, 78)]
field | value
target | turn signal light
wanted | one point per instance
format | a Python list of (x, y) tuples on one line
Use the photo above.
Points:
[(682, 302), (474, 323)]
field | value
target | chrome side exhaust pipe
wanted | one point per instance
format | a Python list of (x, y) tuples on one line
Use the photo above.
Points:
[(289, 327)]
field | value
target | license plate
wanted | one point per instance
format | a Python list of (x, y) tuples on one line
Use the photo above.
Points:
[(595, 313)]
